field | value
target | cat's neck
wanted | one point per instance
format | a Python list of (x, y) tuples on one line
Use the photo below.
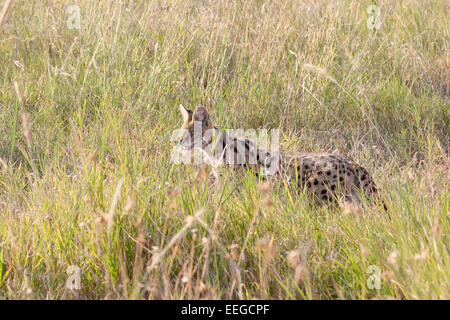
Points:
[(241, 151)]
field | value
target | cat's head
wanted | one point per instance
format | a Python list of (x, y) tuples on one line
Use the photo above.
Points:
[(196, 129)]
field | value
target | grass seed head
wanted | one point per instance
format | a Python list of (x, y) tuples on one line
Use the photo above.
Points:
[(269, 247), (131, 205), (294, 257), (185, 279), (393, 257), (101, 223), (189, 220), (234, 254), (351, 208), (300, 272), (264, 188)]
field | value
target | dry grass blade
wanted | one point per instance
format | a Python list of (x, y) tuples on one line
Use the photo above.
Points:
[(4, 10)]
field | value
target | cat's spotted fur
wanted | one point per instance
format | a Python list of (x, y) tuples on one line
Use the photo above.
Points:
[(327, 176)]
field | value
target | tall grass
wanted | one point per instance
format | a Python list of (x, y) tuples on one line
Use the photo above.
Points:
[(85, 121)]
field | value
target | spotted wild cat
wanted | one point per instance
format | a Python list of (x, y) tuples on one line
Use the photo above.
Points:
[(327, 176)]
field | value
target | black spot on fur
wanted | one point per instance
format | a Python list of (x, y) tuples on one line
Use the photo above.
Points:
[(323, 191), (315, 182), (328, 173), (333, 187)]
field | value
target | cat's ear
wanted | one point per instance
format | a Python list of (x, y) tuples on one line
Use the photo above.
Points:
[(200, 114), (186, 113)]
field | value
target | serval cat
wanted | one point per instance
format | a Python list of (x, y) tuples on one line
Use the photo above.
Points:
[(328, 177)]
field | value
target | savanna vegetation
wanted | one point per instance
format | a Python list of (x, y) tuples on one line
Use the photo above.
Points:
[(86, 116)]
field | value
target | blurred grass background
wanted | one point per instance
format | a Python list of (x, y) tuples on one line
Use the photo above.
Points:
[(86, 116)]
